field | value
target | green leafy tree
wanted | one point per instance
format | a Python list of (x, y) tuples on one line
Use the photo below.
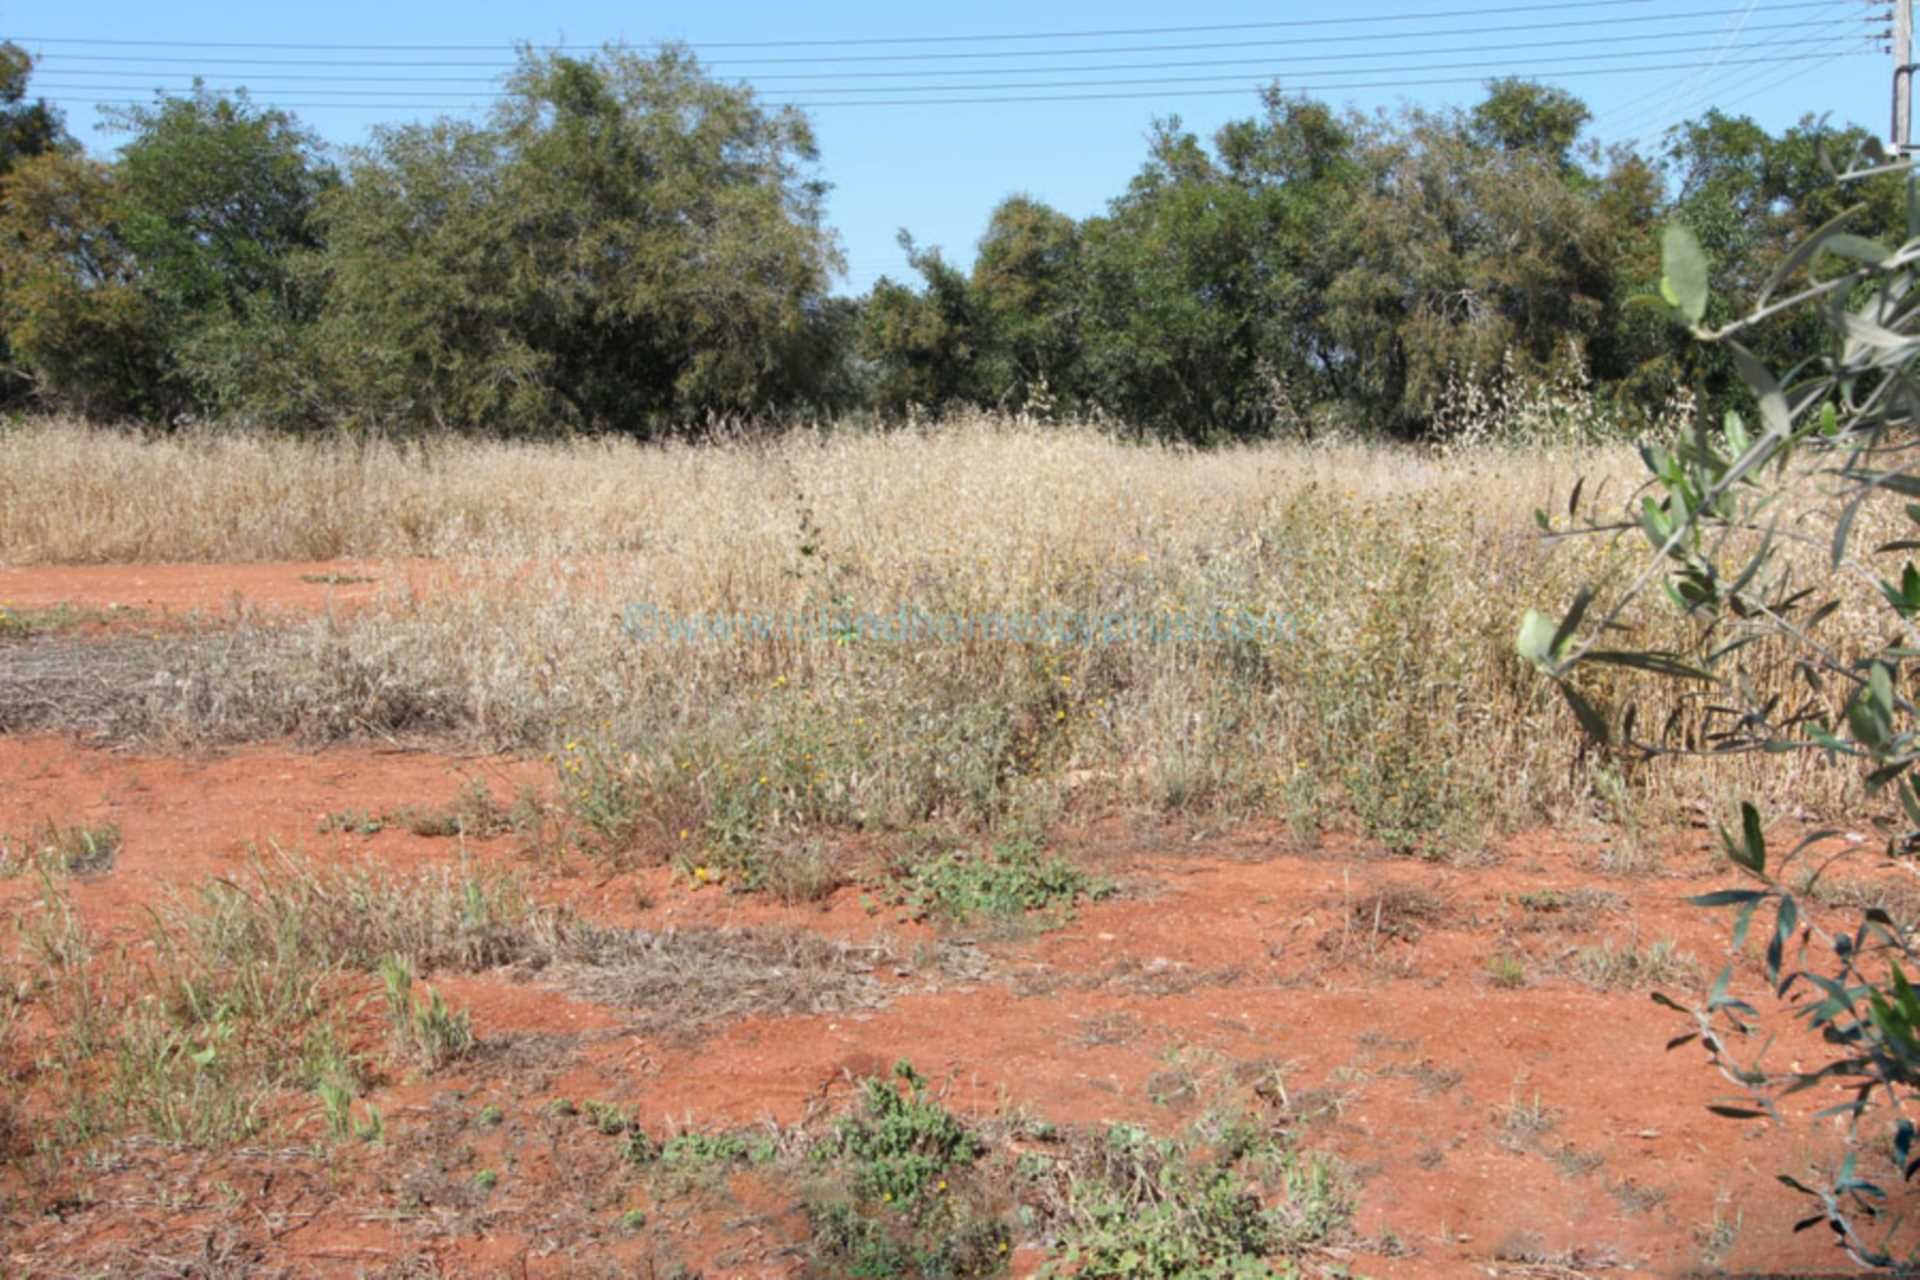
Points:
[(27, 128), (1173, 329), (1826, 443), (1464, 253), (1027, 279), (1529, 117), (1205, 280), (628, 245), (80, 330), (219, 210), (928, 348)]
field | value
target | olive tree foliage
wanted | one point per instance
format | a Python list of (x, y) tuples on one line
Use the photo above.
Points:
[(626, 245), (1749, 196), (1830, 436)]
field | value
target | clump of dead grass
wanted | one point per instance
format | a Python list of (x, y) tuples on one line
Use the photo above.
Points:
[(718, 631)]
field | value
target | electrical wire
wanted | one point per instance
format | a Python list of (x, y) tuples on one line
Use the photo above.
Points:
[(1372, 39), (1529, 45), (1397, 83), (1102, 33), (1271, 73), (1633, 118)]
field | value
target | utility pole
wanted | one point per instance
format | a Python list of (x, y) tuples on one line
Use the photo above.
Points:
[(1902, 76)]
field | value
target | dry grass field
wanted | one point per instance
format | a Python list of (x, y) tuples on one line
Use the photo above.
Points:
[(478, 858)]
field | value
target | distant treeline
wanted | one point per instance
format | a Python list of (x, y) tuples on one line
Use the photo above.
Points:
[(629, 246)]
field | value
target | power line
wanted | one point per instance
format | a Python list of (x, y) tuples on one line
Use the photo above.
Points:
[(982, 71), (1371, 38), (1642, 107), (1103, 33), (1641, 121), (1297, 87), (1795, 74), (1397, 83), (1679, 90), (1271, 72)]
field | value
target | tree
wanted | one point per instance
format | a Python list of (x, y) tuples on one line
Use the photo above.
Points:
[(1204, 278), (928, 348), (81, 331), (27, 129), (1461, 258), (627, 245), (1525, 116), (220, 206), (1028, 280), (1830, 439)]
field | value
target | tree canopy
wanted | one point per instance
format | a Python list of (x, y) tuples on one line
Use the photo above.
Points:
[(627, 244)]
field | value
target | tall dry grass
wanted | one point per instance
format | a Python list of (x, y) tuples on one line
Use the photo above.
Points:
[(1394, 695)]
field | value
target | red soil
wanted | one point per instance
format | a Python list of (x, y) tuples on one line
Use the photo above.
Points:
[(163, 591), (1243, 946), (162, 594)]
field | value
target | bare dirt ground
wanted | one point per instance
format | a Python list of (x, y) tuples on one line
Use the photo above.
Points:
[(1499, 1103)]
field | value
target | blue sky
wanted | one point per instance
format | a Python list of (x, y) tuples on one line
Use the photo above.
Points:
[(939, 168)]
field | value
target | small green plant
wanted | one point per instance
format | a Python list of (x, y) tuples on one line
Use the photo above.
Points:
[(867, 1246), (1523, 1121), (356, 822), (62, 850), (604, 1116), (1305, 810), (1153, 1210), (337, 1104), (903, 1161), (692, 1150), (473, 814), (425, 1027), (486, 1180), (1612, 967), (491, 1116), (1013, 880), (1716, 1237), (900, 1141), (1414, 807), (1507, 970), (633, 1220)]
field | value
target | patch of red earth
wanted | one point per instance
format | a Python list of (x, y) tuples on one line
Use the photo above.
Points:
[(1239, 947), (163, 591), (183, 821), (1419, 1070), (165, 595)]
